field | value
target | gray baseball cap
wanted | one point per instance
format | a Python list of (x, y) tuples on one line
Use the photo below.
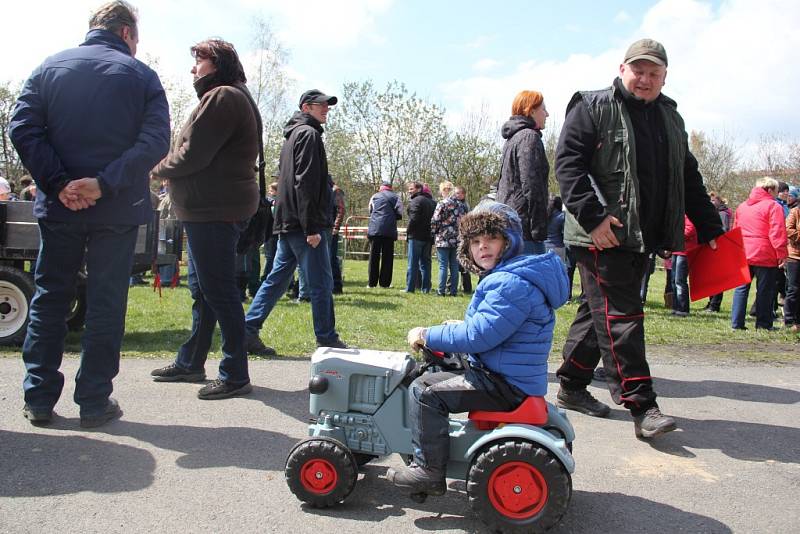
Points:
[(647, 49)]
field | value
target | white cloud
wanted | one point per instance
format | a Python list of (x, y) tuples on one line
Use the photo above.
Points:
[(479, 42), (622, 17), (486, 64), (321, 23), (733, 68)]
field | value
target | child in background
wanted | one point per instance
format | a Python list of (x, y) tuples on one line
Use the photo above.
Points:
[(507, 331)]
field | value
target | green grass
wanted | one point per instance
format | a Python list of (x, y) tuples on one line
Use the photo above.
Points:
[(379, 318)]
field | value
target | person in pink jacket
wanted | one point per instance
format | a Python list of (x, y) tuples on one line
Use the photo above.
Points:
[(765, 245)]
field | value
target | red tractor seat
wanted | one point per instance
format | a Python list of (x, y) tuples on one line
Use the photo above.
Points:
[(532, 411)]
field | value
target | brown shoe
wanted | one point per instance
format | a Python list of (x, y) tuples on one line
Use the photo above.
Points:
[(652, 423)]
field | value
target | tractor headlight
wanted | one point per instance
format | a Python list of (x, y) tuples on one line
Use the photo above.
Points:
[(318, 385)]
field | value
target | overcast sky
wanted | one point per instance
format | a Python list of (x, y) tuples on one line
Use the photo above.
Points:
[(733, 65)]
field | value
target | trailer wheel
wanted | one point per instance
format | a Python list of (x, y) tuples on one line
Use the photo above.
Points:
[(16, 292), (518, 486), (76, 317), (321, 472)]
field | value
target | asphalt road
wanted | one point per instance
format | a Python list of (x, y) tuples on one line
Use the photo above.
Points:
[(174, 463)]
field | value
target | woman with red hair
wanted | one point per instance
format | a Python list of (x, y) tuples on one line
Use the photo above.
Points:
[(523, 175)]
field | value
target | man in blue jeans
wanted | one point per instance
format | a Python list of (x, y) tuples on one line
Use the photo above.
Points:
[(303, 225), (420, 241), (89, 124)]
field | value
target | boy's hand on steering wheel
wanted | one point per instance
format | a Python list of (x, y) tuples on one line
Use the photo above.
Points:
[(416, 337)]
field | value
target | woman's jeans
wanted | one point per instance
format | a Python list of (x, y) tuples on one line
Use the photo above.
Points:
[(790, 302), (680, 270), (447, 260), (212, 283), (765, 294)]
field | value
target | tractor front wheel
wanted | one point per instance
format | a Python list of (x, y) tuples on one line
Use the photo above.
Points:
[(321, 472)]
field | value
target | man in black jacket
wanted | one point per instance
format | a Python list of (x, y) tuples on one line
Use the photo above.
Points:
[(627, 177), (420, 240), (303, 225)]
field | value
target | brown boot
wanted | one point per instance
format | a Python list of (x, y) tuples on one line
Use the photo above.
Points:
[(668, 301)]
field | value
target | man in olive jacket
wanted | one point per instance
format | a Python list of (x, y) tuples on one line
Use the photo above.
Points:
[(627, 178), (303, 225)]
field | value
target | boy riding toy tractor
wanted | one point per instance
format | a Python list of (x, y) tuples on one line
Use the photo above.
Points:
[(514, 450)]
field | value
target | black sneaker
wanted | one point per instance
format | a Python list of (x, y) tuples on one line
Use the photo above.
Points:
[(254, 345), (418, 479), (173, 373), (599, 374), (652, 423), (334, 344), (219, 389), (112, 411), (37, 416), (582, 401)]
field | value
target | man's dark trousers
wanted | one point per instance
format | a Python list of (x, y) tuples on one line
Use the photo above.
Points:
[(381, 261), (336, 266), (610, 324), (109, 257)]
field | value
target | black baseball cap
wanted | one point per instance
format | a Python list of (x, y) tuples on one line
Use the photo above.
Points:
[(315, 96), (646, 49)]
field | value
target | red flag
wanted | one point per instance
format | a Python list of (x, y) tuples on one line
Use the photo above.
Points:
[(715, 271)]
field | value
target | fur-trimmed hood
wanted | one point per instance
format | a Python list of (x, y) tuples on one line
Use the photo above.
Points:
[(489, 217)]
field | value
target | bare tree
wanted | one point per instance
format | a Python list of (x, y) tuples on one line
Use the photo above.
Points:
[(270, 85), (375, 136), (471, 155), (772, 153), (10, 164), (550, 140), (718, 160)]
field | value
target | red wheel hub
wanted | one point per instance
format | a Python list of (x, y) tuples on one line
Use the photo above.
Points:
[(517, 490), (318, 476)]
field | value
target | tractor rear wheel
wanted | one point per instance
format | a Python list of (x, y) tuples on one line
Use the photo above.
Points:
[(518, 486)]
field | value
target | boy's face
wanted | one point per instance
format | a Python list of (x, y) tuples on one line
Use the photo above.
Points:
[(487, 250)]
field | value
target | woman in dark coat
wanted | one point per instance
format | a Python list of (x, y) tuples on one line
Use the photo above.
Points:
[(214, 192), (523, 177)]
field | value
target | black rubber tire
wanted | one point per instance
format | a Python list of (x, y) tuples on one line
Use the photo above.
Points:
[(76, 317), (500, 453), (340, 469), (16, 292)]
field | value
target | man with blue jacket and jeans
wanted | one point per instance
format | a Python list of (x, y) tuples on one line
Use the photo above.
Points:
[(89, 124)]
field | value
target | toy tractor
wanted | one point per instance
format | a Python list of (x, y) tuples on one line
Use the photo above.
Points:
[(517, 464)]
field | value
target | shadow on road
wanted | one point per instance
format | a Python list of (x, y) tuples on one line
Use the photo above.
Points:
[(375, 499), (292, 403), (683, 389), (37, 465), (680, 389), (209, 447), (753, 442)]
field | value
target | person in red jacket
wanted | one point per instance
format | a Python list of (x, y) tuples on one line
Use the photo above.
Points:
[(765, 245)]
